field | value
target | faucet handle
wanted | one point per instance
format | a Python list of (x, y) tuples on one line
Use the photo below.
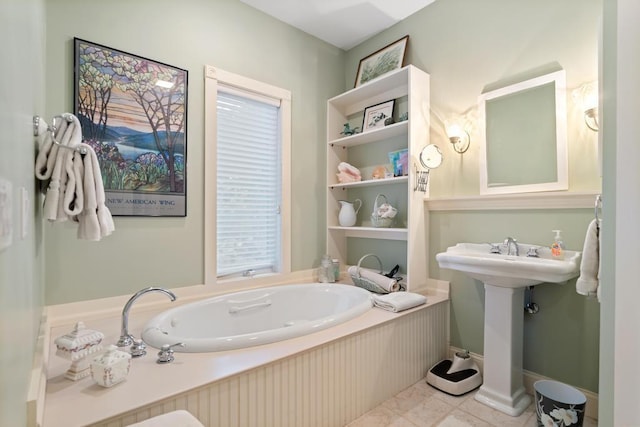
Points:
[(532, 252), (165, 355), (138, 348), (495, 248)]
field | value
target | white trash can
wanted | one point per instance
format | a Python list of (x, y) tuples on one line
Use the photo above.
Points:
[(558, 404)]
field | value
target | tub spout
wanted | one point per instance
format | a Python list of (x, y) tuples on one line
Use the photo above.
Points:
[(126, 339)]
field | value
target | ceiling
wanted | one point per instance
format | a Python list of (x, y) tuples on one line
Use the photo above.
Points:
[(342, 23)]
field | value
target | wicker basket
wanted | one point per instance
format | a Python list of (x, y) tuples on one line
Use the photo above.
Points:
[(376, 220), (365, 283)]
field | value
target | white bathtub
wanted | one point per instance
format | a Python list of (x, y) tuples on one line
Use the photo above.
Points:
[(255, 317)]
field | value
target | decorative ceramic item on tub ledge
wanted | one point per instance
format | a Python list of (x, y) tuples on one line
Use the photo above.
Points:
[(76, 346), (111, 367)]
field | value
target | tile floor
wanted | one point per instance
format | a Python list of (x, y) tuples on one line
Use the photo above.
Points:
[(423, 406)]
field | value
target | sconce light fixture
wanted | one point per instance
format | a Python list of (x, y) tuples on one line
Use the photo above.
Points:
[(458, 137), (586, 97)]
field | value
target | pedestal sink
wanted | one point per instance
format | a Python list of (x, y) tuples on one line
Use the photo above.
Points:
[(505, 278)]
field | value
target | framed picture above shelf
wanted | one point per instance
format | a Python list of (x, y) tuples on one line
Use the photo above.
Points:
[(372, 182), (378, 134), (372, 232)]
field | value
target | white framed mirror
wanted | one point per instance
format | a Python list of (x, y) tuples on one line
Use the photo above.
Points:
[(523, 136)]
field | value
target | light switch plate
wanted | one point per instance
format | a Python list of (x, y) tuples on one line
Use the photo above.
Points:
[(6, 209)]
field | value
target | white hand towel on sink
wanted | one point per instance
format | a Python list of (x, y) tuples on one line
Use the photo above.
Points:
[(589, 281), (399, 301)]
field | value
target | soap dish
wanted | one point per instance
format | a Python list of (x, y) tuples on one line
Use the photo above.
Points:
[(111, 367), (76, 346)]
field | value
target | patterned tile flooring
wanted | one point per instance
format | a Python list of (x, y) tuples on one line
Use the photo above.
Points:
[(422, 405)]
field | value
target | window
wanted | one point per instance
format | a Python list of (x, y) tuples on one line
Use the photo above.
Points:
[(247, 134)]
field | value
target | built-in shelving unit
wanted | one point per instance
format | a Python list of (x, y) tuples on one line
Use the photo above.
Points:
[(409, 86)]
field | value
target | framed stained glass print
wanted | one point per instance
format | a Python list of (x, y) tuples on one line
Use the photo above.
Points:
[(133, 112)]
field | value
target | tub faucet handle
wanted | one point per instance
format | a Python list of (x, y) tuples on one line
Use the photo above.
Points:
[(138, 348), (165, 355)]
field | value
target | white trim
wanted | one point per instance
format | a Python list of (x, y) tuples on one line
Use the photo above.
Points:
[(562, 156), (38, 383), (551, 200), (214, 77)]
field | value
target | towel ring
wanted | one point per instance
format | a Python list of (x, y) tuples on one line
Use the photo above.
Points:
[(52, 128)]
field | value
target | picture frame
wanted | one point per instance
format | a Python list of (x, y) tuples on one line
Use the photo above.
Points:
[(389, 58), (133, 113), (375, 115)]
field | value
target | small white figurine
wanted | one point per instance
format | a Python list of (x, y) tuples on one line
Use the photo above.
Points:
[(111, 368), (76, 346)]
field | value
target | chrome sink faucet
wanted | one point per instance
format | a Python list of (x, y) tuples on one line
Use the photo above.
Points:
[(126, 339), (510, 242)]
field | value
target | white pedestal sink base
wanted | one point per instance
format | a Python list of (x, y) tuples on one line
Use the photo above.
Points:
[(502, 388)]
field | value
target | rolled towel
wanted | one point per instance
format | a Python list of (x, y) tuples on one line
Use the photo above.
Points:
[(589, 281), (399, 301), (74, 193), (89, 226), (104, 214), (390, 285)]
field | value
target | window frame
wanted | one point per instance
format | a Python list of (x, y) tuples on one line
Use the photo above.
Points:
[(214, 77)]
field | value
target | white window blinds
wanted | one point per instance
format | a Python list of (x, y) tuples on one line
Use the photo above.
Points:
[(248, 184)]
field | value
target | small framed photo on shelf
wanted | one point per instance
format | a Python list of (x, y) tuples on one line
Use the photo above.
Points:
[(399, 162), (375, 116), (389, 58)]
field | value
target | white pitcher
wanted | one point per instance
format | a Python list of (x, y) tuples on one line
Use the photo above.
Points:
[(347, 215)]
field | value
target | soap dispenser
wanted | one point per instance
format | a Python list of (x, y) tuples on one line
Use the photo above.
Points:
[(557, 248)]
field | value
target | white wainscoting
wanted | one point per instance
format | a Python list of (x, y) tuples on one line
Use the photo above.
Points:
[(327, 386)]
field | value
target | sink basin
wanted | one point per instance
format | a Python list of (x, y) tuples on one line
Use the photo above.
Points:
[(505, 278), (510, 271)]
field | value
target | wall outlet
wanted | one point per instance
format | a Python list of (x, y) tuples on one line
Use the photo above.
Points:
[(6, 213)]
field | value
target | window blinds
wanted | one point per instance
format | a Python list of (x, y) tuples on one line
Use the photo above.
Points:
[(248, 184)]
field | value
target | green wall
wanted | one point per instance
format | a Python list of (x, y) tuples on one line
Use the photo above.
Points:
[(21, 264), (467, 46), (189, 34)]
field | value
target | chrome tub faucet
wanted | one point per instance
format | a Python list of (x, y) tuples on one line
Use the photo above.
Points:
[(126, 339)]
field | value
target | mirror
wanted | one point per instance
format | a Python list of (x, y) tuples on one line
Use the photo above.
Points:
[(431, 156), (523, 136)]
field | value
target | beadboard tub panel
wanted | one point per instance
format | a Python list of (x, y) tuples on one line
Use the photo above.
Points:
[(327, 386)]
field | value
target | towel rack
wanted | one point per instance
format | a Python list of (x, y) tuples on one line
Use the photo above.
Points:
[(37, 131)]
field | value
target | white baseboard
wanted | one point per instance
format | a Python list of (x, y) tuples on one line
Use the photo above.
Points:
[(591, 409)]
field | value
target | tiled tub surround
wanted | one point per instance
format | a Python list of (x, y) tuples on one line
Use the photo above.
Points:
[(327, 378)]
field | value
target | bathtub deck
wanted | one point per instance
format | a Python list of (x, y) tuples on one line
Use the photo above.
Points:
[(85, 403)]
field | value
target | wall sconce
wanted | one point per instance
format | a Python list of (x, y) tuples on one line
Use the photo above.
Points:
[(586, 97), (458, 137)]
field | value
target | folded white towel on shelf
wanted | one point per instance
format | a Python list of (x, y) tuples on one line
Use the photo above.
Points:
[(389, 284), (399, 301), (589, 281)]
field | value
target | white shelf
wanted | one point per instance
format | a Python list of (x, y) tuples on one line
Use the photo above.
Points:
[(411, 85), (390, 86), (371, 182), (373, 232), (396, 129)]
